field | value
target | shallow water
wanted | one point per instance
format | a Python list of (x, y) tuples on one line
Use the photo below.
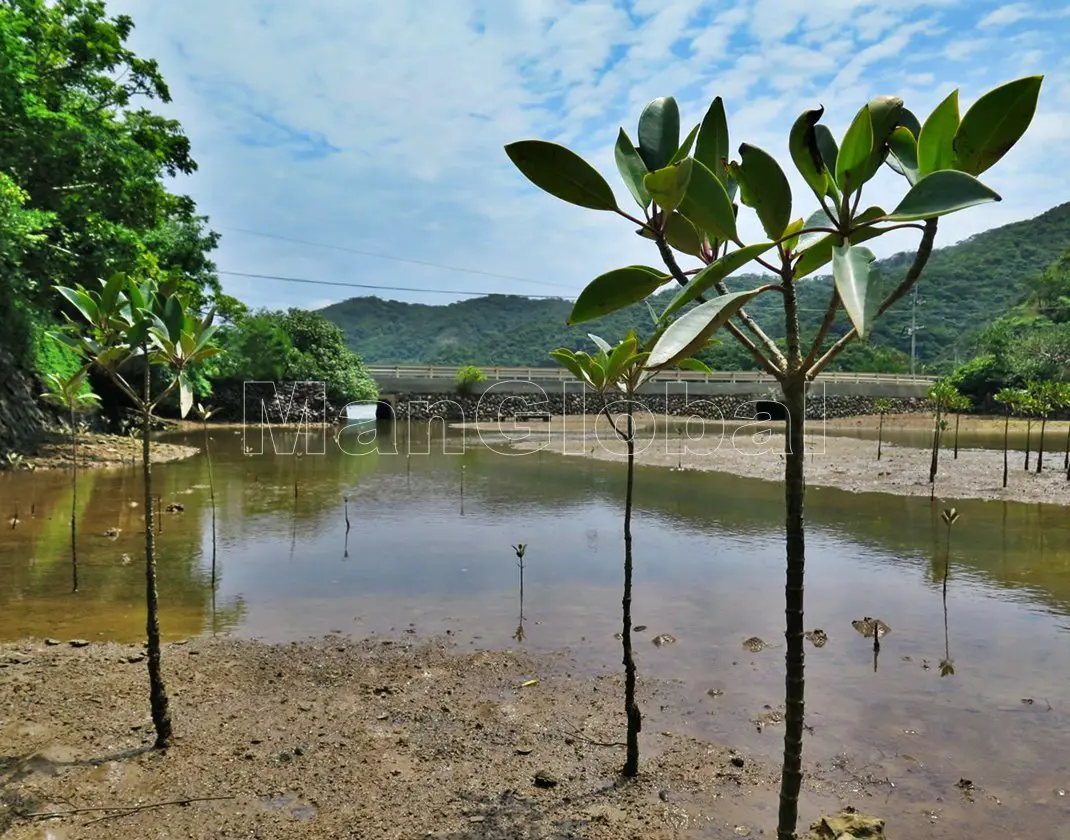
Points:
[(429, 551)]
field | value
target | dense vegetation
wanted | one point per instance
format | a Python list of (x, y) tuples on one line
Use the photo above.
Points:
[(288, 346), (965, 286), (83, 165), (1028, 344)]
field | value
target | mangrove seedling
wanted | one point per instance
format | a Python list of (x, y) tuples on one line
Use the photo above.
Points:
[(204, 413), (882, 407), (70, 393), (132, 326), (942, 394), (685, 193), (520, 549), (345, 510), (1044, 397), (958, 404), (621, 370), (950, 517), (1010, 399)]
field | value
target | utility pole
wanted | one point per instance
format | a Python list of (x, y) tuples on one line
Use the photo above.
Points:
[(914, 301)]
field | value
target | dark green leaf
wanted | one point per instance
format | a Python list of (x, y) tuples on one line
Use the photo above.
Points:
[(708, 205), (764, 187), (562, 173), (685, 147), (820, 252), (910, 122), (903, 154), (994, 123), (680, 234), (802, 143), (631, 168), (854, 152), (714, 273), (936, 148), (711, 147), (615, 290), (942, 192), (830, 150), (110, 295), (855, 276), (174, 317), (567, 359), (659, 132), (82, 302), (669, 185), (689, 332), (819, 219), (695, 365), (884, 113)]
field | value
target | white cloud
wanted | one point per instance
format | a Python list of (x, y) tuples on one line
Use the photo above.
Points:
[(380, 126)]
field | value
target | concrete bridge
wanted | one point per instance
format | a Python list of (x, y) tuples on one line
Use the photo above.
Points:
[(398, 380)]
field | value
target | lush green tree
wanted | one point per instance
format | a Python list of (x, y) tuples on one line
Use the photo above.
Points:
[(943, 396), (129, 325), (288, 346), (686, 191), (89, 160)]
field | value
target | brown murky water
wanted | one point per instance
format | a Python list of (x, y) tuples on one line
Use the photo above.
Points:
[(424, 554)]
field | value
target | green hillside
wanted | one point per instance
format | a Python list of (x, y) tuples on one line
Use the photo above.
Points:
[(965, 287)]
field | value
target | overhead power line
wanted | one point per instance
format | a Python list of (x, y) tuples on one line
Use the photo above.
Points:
[(392, 258), (373, 286)]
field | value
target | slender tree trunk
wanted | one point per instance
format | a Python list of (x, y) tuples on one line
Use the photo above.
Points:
[(794, 387), (1040, 445), (880, 435), (1006, 430), (1028, 436), (211, 496), (1066, 451), (631, 708), (958, 417), (161, 713), (74, 504), (795, 489)]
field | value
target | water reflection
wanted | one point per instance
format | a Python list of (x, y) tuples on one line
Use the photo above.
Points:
[(709, 571)]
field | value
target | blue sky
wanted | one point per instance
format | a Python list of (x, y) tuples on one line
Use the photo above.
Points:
[(378, 127)]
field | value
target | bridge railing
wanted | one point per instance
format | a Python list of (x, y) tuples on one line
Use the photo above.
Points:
[(555, 374)]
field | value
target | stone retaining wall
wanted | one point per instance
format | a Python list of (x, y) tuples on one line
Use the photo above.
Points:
[(492, 406)]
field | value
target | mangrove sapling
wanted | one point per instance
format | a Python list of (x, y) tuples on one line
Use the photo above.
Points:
[(620, 369), (882, 407), (345, 547), (144, 324), (205, 412), (959, 403), (1043, 396), (686, 202), (950, 516), (943, 395), (1009, 398), (70, 392), (520, 549)]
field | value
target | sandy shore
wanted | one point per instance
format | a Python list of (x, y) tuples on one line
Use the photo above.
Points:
[(840, 461), (377, 739)]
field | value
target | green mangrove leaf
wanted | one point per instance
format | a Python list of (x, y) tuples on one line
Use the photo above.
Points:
[(562, 173), (994, 123), (615, 290), (942, 192)]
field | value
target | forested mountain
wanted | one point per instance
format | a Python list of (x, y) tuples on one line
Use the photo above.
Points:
[(965, 287)]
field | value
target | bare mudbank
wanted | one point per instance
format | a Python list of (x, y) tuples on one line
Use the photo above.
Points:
[(833, 460)]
